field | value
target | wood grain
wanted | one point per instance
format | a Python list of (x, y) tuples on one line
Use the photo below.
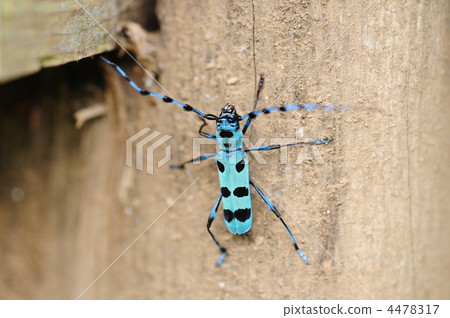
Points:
[(53, 32)]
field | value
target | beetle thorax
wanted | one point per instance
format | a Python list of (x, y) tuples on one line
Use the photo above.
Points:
[(229, 139), (229, 136)]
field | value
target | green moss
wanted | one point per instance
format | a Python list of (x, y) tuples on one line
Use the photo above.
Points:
[(48, 60)]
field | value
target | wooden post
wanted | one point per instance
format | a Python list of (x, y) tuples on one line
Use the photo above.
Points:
[(54, 32)]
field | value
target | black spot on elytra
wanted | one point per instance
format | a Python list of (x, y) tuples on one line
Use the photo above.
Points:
[(240, 192), (220, 166), (226, 134), (240, 165), (225, 192), (228, 215), (242, 214)]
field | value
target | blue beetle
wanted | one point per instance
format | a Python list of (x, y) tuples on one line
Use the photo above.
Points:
[(232, 162)]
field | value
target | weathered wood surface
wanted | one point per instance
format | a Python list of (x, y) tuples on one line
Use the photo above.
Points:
[(37, 34), (375, 199)]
